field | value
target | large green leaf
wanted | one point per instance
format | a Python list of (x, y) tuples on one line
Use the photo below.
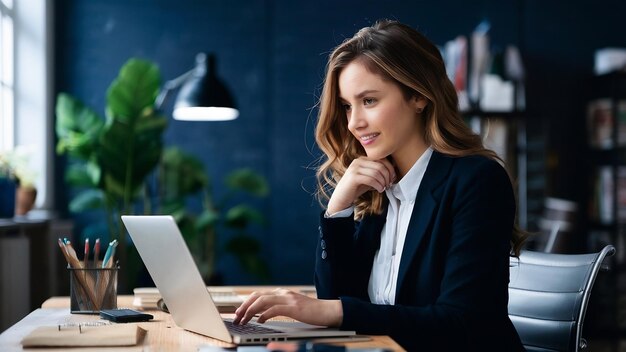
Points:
[(130, 145), (175, 208), (134, 90), (77, 127), (249, 181), (87, 200), (115, 189), (127, 155), (206, 220), (182, 174), (241, 215), (83, 175)]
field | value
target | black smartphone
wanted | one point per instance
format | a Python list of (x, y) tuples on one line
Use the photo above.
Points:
[(124, 315)]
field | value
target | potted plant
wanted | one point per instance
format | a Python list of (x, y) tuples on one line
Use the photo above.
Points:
[(17, 182), (121, 166), (110, 159)]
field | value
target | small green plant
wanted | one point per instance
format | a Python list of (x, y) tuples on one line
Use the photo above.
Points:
[(15, 164)]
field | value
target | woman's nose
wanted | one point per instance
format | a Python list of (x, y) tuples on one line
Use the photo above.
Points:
[(355, 120)]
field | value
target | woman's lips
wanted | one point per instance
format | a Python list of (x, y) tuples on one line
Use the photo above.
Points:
[(368, 138)]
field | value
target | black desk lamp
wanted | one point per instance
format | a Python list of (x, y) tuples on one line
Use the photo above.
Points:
[(202, 97)]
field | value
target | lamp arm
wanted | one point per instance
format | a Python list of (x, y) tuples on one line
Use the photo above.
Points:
[(169, 86)]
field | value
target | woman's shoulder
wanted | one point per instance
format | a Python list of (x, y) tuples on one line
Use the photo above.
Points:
[(478, 173), (476, 165), (473, 161)]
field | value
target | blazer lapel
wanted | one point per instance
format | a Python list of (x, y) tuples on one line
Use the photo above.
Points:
[(425, 205)]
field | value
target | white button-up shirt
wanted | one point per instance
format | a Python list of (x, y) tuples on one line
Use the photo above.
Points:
[(384, 276)]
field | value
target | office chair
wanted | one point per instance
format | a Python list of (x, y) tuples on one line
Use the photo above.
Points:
[(548, 296)]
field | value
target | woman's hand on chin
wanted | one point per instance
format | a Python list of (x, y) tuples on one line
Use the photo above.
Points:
[(361, 176)]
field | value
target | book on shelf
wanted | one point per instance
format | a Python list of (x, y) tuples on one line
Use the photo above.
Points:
[(605, 197), (601, 123), (495, 135), (455, 58)]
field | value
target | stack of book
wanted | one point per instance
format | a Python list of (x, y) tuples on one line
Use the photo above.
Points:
[(225, 298), (146, 297), (601, 122)]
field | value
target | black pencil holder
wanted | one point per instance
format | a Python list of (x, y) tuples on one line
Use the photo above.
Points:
[(93, 289)]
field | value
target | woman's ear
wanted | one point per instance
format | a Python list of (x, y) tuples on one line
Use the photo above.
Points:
[(419, 103)]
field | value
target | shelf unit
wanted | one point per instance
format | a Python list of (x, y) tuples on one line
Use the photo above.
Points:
[(605, 166), (523, 149)]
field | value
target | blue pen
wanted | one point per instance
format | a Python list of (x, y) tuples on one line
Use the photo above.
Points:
[(112, 253), (109, 253)]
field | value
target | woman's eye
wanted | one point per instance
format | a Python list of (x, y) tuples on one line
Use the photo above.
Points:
[(346, 107), (368, 101)]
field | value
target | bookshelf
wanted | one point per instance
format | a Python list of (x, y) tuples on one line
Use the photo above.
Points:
[(520, 142), (605, 166)]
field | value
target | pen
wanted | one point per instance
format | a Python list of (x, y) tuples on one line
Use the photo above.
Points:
[(110, 261), (64, 251), (86, 257), (75, 263), (109, 253), (96, 252)]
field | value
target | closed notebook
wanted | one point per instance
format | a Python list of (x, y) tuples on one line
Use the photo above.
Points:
[(93, 336)]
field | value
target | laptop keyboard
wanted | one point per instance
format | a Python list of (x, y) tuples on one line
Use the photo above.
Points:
[(249, 329)]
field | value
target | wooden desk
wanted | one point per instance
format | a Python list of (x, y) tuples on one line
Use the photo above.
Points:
[(163, 334)]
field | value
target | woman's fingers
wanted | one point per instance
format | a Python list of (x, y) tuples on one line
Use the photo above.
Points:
[(262, 304), (307, 310), (380, 171), (371, 178), (390, 170), (257, 302), (275, 311), (290, 304), (244, 307)]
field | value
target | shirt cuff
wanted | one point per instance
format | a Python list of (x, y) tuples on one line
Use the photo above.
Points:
[(340, 214)]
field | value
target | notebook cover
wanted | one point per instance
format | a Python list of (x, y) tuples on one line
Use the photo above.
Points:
[(69, 336)]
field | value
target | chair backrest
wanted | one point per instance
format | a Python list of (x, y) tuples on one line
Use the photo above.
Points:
[(548, 296)]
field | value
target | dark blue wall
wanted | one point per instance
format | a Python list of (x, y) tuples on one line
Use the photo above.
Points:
[(272, 55)]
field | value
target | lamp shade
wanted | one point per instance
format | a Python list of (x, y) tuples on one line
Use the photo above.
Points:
[(203, 96)]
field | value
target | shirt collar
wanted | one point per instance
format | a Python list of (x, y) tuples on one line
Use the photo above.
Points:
[(406, 189)]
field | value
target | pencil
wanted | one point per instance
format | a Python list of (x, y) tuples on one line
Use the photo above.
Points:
[(86, 282), (86, 256), (96, 253)]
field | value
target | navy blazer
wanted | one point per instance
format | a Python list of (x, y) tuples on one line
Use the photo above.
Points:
[(452, 290)]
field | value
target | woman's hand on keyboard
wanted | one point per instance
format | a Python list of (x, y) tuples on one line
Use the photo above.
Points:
[(281, 302)]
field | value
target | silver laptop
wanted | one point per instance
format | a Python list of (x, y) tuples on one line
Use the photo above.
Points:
[(169, 262)]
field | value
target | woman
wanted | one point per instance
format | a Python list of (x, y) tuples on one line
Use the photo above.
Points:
[(416, 237)]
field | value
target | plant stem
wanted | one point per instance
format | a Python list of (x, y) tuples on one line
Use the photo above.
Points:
[(210, 252), (210, 237)]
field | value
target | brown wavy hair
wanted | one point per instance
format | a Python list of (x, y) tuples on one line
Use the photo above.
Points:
[(399, 54)]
